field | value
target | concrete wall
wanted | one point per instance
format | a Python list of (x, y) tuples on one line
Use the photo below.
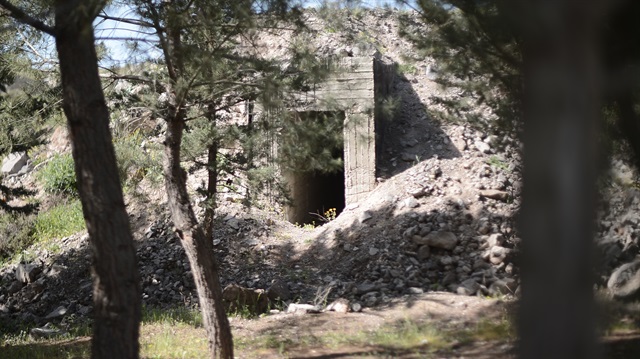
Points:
[(352, 90)]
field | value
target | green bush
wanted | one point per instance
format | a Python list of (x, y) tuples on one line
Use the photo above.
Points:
[(15, 233), (135, 163), (58, 176), (60, 221)]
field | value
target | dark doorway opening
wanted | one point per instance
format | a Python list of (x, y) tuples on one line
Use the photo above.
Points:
[(315, 191), (314, 194)]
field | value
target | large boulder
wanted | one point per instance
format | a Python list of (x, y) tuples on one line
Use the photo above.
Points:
[(13, 163), (239, 299), (624, 282), (27, 273), (441, 239)]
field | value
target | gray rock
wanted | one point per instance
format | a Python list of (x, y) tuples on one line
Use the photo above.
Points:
[(411, 202), (45, 332), (496, 239), (424, 252), (279, 290), (297, 308), (356, 307), (410, 232), (14, 162), (370, 299), (234, 223), (495, 194), (365, 216), (482, 146), (56, 313), (499, 254), (27, 273), (440, 239), (373, 251), (365, 288), (415, 290), (446, 260), (448, 278), (340, 305), (468, 287), (15, 287), (238, 298), (503, 286), (624, 283)]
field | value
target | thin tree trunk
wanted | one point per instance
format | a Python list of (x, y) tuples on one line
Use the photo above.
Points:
[(212, 189), (116, 282), (212, 181), (199, 249), (562, 104)]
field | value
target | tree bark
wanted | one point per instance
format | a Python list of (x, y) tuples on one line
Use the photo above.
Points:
[(116, 282), (199, 249), (212, 189), (212, 180), (562, 105)]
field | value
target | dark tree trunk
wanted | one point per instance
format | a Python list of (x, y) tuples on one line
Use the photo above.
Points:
[(199, 249), (212, 180), (212, 189), (562, 105), (116, 284)]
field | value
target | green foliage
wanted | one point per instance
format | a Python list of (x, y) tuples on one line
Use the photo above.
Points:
[(137, 159), (172, 316), (312, 141), (477, 52), (58, 176), (16, 231), (60, 221), (407, 69)]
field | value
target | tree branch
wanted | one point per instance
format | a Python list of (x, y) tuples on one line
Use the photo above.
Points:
[(21, 16)]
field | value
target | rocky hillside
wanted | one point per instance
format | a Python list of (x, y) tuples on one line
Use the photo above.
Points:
[(442, 218)]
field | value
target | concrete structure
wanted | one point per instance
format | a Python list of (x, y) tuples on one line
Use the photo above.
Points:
[(356, 93)]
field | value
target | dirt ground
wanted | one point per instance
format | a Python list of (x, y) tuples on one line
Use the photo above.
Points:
[(450, 314), (445, 311)]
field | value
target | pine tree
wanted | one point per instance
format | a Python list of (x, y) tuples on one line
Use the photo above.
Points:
[(477, 53), (116, 291), (209, 64)]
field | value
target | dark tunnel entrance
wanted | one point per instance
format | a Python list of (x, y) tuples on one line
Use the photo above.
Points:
[(315, 191), (314, 194)]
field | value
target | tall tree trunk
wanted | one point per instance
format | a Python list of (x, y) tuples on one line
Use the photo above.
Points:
[(116, 282), (212, 189), (562, 105), (212, 179), (199, 249)]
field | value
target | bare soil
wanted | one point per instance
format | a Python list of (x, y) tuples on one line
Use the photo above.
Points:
[(304, 336)]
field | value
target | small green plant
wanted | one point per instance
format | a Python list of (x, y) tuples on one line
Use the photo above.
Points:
[(306, 226), (62, 220), (496, 162), (15, 233), (172, 316), (407, 69), (135, 162), (328, 216), (58, 176)]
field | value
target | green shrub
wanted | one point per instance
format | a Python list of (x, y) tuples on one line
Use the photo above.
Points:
[(58, 176), (135, 163), (15, 233), (60, 221)]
